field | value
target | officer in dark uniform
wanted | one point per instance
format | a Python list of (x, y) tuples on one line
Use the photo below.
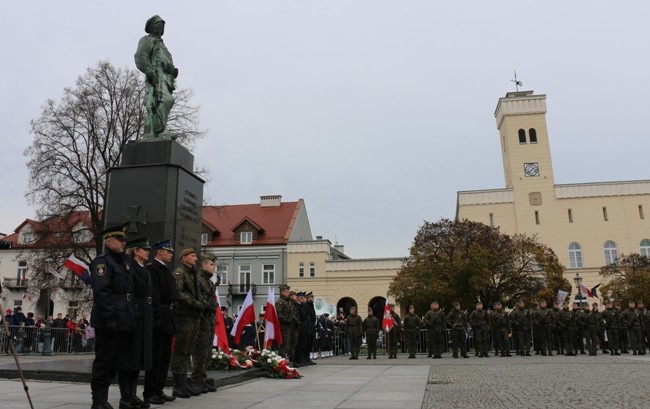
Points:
[(114, 311), (355, 324), (164, 296), (137, 355), (311, 327)]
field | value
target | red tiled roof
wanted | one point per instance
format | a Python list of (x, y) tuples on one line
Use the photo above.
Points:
[(276, 222), (46, 231)]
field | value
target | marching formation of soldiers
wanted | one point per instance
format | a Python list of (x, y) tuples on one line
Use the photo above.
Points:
[(569, 330)]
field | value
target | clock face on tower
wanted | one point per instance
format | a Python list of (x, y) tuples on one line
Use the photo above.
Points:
[(531, 169)]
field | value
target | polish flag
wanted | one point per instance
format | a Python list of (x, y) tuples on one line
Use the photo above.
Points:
[(246, 316), (75, 265), (272, 327), (585, 291), (387, 322), (220, 336), (79, 268)]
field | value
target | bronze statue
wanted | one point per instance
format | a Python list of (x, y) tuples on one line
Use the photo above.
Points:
[(155, 61)]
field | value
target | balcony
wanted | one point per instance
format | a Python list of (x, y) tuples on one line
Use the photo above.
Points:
[(241, 289), (14, 283)]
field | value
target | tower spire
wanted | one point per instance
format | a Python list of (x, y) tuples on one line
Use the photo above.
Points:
[(517, 82)]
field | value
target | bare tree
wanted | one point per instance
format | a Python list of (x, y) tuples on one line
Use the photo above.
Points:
[(79, 138)]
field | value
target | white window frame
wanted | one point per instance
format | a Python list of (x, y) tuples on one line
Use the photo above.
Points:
[(611, 252), (301, 269), (21, 273), (27, 238), (644, 247), (312, 269), (268, 274), (222, 271), (246, 237), (244, 286), (204, 239), (575, 255)]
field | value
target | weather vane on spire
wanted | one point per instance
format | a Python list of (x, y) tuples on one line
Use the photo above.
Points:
[(517, 82)]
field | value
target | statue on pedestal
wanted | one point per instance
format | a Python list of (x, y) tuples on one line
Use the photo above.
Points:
[(155, 61)]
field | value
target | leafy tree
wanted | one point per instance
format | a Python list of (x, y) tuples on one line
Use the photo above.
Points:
[(78, 139), (629, 278), (467, 261)]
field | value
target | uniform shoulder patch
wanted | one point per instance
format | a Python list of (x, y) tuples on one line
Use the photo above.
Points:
[(100, 269)]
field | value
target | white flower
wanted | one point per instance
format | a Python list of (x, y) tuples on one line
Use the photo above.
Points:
[(269, 360)]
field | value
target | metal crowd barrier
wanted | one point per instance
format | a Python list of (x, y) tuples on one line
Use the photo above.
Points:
[(30, 340)]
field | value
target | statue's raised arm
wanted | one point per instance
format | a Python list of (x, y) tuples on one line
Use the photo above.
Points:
[(155, 61)]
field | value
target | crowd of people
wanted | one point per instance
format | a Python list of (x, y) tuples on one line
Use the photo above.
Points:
[(68, 335)]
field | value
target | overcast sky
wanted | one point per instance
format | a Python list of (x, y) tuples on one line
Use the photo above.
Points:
[(374, 112)]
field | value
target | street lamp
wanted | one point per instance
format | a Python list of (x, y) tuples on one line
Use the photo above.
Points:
[(578, 280), (47, 333)]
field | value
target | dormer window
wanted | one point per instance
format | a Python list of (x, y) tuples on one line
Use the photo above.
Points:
[(28, 238), (246, 237)]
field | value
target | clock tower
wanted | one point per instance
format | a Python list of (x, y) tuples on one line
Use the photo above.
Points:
[(521, 121)]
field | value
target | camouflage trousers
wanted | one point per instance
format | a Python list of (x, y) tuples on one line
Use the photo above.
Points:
[(201, 354), (184, 344), (285, 347)]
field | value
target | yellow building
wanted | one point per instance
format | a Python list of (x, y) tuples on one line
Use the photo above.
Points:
[(588, 225), (325, 270)]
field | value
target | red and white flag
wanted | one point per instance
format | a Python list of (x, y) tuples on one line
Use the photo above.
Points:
[(272, 327), (75, 265), (220, 336), (585, 291), (246, 316), (387, 323)]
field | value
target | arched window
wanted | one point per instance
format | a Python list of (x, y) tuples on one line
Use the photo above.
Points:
[(312, 270), (611, 252), (301, 270), (532, 134), (645, 248), (575, 255), (522, 136)]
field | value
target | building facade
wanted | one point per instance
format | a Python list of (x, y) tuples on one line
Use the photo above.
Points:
[(588, 225)]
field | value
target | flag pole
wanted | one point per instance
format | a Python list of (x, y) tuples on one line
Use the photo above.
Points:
[(257, 336)]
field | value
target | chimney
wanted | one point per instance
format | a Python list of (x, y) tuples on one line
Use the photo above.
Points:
[(319, 237), (270, 201), (340, 248)]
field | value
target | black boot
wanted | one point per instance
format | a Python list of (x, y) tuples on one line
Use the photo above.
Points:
[(179, 390), (124, 382), (134, 393), (189, 386)]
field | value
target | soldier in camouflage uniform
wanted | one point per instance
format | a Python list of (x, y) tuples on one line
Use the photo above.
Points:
[(632, 322), (393, 334), (644, 316), (370, 328), (480, 323), (611, 325), (286, 313), (205, 336), (457, 320), (588, 328), (412, 331), (558, 342), (435, 322), (520, 321), (501, 326), (567, 329), (545, 322), (189, 309), (600, 328), (355, 324)]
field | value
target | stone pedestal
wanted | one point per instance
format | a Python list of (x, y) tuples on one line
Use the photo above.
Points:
[(155, 191)]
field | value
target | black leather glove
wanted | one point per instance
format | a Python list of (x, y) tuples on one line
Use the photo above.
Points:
[(111, 327)]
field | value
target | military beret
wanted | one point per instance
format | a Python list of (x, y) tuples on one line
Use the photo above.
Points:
[(284, 287), (165, 244), (187, 252), (150, 22), (300, 294), (208, 256), (140, 242), (114, 231)]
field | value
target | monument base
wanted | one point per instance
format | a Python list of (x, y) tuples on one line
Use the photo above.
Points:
[(155, 192)]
